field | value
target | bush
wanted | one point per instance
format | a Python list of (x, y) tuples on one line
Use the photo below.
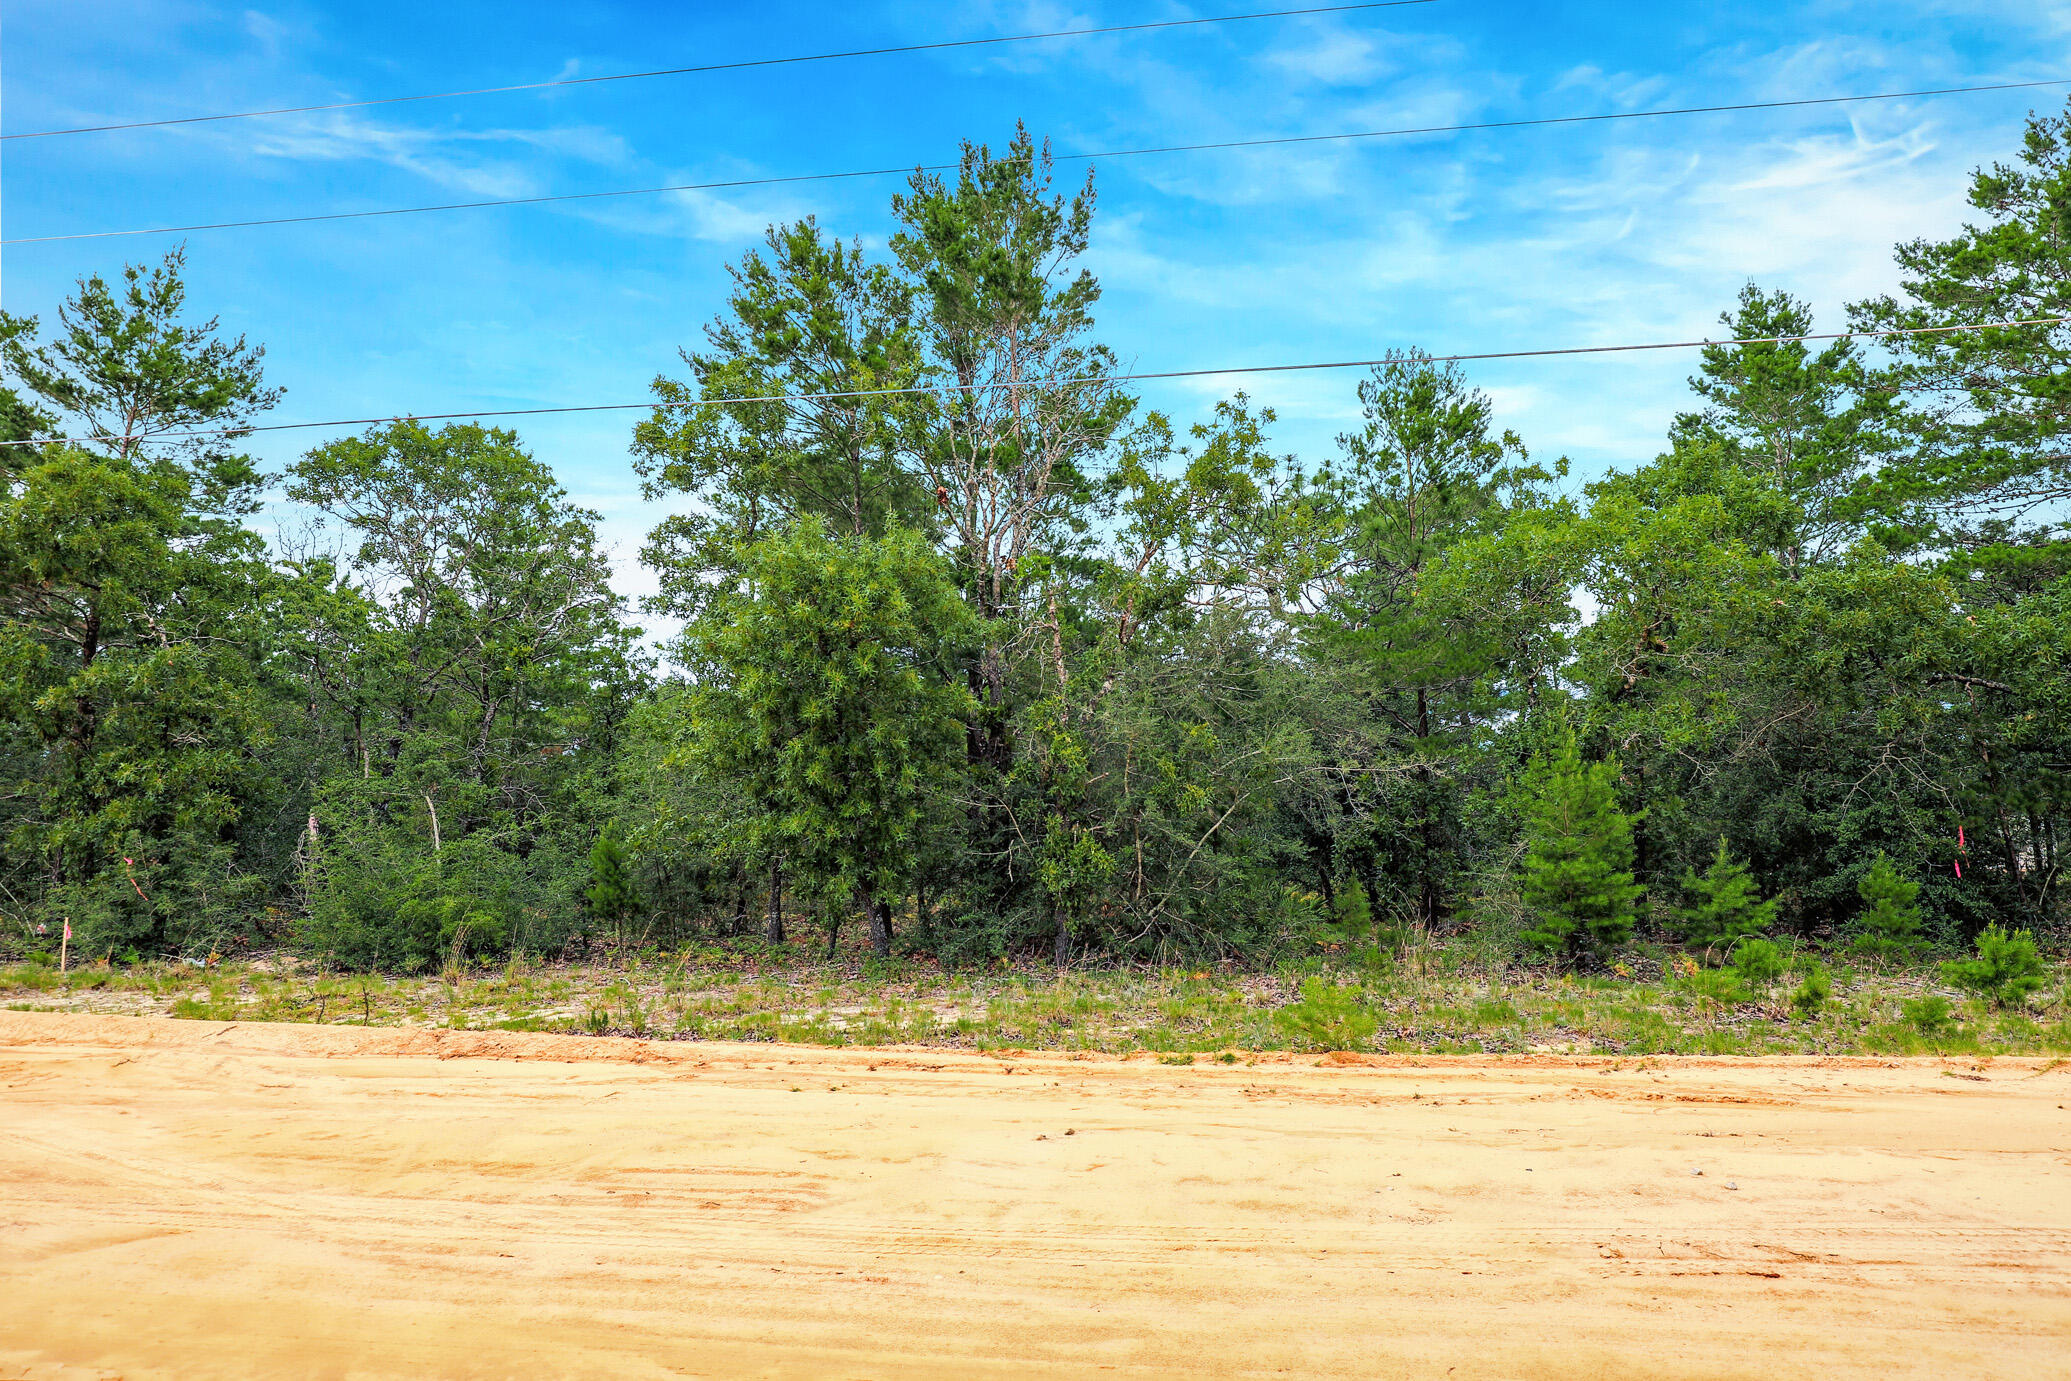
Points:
[(1720, 986), (1928, 1015), (1327, 1018), (1815, 987), (1351, 915), (610, 893), (385, 904), (1758, 963), (2006, 970)]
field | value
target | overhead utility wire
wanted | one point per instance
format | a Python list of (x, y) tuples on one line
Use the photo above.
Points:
[(720, 67), (1061, 158), (1090, 379)]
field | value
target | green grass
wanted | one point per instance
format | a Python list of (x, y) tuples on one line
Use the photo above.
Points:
[(1442, 1000)]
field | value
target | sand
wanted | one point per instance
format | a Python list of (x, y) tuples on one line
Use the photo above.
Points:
[(193, 1199)]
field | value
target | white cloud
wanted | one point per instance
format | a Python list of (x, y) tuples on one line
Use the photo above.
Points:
[(487, 163), (1335, 57)]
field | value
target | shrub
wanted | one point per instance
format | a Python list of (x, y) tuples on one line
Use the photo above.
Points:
[(1815, 987), (2006, 969), (1889, 926), (1722, 987), (1328, 1017), (1928, 1015), (1726, 906), (379, 903), (1758, 963)]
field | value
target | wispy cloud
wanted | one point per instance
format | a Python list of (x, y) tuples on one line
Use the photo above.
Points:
[(482, 162), (1492, 241)]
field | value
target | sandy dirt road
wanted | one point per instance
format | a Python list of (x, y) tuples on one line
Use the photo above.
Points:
[(193, 1200)]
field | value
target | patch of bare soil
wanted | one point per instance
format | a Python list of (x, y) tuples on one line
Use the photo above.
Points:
[(191, 1199)]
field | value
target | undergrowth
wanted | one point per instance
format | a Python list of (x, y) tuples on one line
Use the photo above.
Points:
[(1430, 999)]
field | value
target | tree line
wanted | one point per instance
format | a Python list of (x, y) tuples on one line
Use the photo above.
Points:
[(980, 657)]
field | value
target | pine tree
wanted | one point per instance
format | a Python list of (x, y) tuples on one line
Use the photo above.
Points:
[(2006, 970), (1578, 870), (611, 888), (1351, 912), (1727, 907), (1890, 923)]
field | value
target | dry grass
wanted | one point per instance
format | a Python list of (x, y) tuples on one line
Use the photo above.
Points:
[(1438, 1000)]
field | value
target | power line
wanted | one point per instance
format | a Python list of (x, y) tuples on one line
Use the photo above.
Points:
[(719, 67), (1278, 141), (1081, 381)]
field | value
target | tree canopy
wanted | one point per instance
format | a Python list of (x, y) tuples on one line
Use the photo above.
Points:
[(979, 649)]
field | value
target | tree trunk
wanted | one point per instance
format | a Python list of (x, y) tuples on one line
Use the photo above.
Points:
[(879, 914), (1063, 948), (1427, 885), (774, 934)]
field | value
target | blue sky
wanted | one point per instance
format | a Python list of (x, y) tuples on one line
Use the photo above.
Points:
[(1641, 230)]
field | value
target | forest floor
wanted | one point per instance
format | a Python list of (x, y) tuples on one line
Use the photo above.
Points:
[(1431, 999), (200, 1198)]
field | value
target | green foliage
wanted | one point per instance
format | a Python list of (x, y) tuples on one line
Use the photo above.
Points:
[(471, 667), (611, 895), (826, 693), (970, 638), (1424, 476), (1351, 914), (378, 901), (2006, 969), (1073, 869), (1815, 989), (1984, 440), (1928, 1015), (1717, 987), (1758, 963), (1889, 926), (132, 706), (1328, 1017), (1578, 868), (811, 317), (1725, 907)]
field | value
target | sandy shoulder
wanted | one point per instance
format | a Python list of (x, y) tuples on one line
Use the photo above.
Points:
[(188, 1199)]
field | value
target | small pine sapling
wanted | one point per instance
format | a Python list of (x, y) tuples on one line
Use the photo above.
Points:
[(610, 892), (1758, 963), (2006, 970), (1715, 987), (1578, 882), (1815, 988), (1327, 1018), (1726, 907), (1351, 914), (1889, 926)]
